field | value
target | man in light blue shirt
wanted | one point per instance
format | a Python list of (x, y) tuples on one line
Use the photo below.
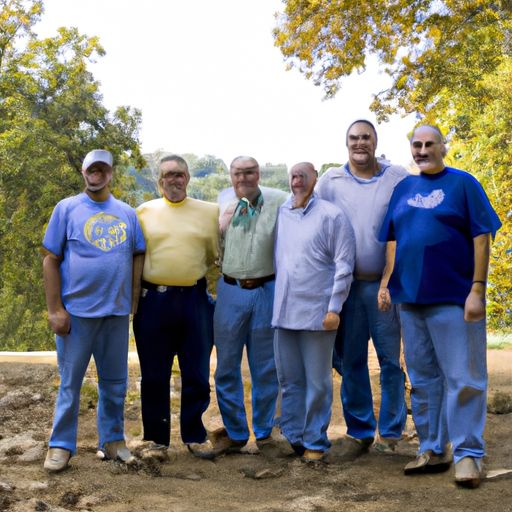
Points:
[(93, 253), (314, 260), (362, 188)]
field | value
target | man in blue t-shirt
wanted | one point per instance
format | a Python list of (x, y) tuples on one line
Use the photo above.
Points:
[(93, 252), (442, 223)]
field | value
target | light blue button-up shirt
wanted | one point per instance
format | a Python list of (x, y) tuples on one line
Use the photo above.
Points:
[(314, 260), (365, 202)]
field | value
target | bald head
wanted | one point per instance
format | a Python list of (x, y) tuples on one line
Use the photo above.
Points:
[(302, 180)]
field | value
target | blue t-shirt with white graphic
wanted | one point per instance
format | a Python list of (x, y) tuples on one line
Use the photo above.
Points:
[(96, 241), (434, 218)]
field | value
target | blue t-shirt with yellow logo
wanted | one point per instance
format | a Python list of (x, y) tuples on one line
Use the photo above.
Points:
[(96, 241), (433, 219)]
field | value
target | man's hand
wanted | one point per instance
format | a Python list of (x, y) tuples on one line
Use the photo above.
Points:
[(474, 308), (60, 322), (383, 299), (331, 321)]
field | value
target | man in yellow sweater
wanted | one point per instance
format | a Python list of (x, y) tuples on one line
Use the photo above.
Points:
[(175, 314)]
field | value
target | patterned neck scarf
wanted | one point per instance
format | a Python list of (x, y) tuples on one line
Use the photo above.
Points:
[(246, 211)]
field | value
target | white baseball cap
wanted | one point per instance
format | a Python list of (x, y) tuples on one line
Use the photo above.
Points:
[(97, 155)]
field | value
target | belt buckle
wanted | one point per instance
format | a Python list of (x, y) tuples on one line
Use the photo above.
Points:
[(161, 288), (248, 284)]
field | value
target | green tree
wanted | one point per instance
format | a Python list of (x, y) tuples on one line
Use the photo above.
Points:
[(449, 62), (51, 115)]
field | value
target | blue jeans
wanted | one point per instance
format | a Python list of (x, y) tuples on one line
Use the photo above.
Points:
[(242, 318), (106, 339), (446, 362), (177, 322), (303, 361), (360, 320)]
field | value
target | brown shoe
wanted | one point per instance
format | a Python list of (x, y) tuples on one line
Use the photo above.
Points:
[(468, 472), (223, 444), (313, 456), (202, 450), (57, 459)]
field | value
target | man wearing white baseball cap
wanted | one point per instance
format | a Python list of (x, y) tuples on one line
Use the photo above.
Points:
[(93, 249)]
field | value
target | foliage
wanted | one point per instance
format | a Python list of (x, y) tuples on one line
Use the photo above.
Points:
[(449, 61), (274, 175), (424, 45), (50, 116)]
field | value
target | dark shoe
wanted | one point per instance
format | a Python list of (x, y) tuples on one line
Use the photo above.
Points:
[(117, 450), (57, 459), (468, 472), (352, 448), (223, 444), (264, 441), (429, 462), (313, 456), (156, 452), (202, 450), (385, 444), (298, 449)]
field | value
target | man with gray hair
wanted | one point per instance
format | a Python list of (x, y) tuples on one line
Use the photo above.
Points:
[(314, 258), (442, 223), (362, 188), (243, 311), (175, 314)]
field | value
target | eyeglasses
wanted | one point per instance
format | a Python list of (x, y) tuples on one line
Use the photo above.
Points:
[(355, 138), (173, 175), (419, 145)]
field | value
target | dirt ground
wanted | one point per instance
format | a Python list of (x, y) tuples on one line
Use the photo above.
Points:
[(273, 480)]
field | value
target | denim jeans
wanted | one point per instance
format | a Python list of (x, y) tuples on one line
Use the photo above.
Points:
[(303, 361), (106, 339), (446, 362), (242, 319), (360, 320), (176, 322)]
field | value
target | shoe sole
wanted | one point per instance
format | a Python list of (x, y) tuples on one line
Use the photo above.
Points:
[(56, 470), (202, 455), (428, 468), (470, 483)]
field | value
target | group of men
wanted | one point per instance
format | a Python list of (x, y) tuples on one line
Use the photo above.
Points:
[(307, 279)]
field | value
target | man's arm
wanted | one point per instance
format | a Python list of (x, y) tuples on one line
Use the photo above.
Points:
[(58, 317), (343, 243), (138, 266), (383, 296), (474, 308)]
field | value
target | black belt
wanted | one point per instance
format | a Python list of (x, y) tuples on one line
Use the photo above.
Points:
[(248, 284), (162, 288)]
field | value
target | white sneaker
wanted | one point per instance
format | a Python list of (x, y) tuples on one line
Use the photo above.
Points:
[(117, 450)]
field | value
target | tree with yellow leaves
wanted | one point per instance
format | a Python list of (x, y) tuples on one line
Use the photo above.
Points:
[(450, 62)]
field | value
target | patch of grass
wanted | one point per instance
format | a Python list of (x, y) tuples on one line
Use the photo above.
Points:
[(499, 340), (88, 396)]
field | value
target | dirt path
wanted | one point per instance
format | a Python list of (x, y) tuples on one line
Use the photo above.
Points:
[(272, 481)]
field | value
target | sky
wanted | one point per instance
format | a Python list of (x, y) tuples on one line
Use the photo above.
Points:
[(209, 80)]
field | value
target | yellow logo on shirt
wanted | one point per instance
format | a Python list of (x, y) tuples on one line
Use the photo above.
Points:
[(105, 231)]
